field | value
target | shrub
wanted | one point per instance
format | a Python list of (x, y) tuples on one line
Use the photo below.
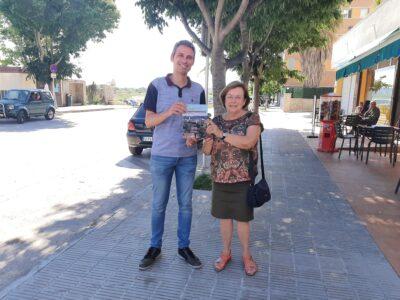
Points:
[(203, 182)]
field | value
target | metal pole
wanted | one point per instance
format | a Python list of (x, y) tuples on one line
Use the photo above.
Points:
[(313, 119), (54, 93)]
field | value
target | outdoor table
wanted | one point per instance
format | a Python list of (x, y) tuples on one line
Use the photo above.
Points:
[(365, 131), (362, 131)]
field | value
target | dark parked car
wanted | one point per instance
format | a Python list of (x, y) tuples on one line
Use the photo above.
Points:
[(24, 104), (139, 136), (131, 102)]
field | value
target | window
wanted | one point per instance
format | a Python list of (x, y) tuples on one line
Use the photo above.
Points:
[(141, 112), (46, 96), (364, 12), (382, 91), (346, 13), (291, 64), (17, 95)]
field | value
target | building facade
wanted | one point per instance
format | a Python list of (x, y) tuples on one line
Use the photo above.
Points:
[(367, 63), (12, 77), (17, 78), (352, 14)]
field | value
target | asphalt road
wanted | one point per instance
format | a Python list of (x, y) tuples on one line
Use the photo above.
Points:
[(58, 179)]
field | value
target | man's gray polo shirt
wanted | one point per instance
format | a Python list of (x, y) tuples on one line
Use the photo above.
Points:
[(168, 136)]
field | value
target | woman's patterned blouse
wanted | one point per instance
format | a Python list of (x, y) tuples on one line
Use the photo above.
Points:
[(230, 164)]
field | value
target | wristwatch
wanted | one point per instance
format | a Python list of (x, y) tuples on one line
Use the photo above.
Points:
[(224, 135)]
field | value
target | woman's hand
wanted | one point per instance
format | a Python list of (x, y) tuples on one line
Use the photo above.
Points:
[(190, 140), (213, 129), (207, 145)]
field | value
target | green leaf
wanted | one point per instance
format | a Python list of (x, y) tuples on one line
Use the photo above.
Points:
[(44, 32)]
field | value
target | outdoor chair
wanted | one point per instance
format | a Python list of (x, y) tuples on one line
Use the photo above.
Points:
[(344, 136), (396, 145), (382, 136), (362, 132), (351, 121)]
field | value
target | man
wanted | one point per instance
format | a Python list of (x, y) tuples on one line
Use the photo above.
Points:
[(371, 116), (165, 102)]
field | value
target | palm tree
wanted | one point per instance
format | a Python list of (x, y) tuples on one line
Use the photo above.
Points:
[(313, 59), (312, 63)]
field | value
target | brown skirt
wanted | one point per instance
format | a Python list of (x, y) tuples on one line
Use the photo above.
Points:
[(229, 201)]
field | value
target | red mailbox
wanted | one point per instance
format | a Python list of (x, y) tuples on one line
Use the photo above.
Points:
[(327, 137)]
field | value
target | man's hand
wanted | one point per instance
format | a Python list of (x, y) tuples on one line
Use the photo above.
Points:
[(177, 108)]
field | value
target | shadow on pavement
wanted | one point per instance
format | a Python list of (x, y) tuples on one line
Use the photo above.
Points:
[(136, 161), (18, 257)]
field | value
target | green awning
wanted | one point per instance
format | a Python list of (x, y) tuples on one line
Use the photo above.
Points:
[(387, 52)]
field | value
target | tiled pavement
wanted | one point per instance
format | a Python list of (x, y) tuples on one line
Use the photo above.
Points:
[(308, 243)]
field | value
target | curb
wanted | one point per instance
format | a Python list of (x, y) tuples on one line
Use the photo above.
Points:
[(60, 112)]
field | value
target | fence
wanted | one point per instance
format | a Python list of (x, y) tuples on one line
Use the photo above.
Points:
[(307, 93)]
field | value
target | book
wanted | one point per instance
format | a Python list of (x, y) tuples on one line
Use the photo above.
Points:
[(194, 120)]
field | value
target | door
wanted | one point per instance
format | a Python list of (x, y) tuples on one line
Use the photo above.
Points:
[(47, 100), (35, 104)]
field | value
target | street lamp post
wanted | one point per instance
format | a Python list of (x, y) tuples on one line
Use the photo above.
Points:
[(53, 75)]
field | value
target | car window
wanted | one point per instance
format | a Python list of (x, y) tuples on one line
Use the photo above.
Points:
[(16, 95), (140, 113), (46, 96), (35, 96)]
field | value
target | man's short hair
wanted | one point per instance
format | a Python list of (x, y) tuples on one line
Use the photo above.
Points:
[(183, 43)]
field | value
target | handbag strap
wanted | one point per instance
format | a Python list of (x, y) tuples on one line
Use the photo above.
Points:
[(251, 163)]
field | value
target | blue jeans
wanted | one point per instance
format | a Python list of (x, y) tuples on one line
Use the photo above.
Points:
[(162, 169)]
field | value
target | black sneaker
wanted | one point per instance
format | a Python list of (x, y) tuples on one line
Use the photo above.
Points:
[(149, 258), (189, 257)]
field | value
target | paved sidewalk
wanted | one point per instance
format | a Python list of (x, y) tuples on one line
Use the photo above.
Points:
[(308, 242)]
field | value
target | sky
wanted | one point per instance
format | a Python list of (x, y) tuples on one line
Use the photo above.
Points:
[(133, 55)]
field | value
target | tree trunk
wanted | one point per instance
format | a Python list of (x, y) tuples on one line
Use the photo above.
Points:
[(245, 44), (256, 94), (312, 63), (218, 72)]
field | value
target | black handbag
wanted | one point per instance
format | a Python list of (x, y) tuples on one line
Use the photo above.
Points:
[(258, 193)]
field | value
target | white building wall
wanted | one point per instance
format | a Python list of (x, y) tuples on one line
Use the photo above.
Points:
[(378, 29), (15, 81)]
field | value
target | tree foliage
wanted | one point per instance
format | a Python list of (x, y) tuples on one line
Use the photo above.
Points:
[(263, 30), (45, 32), (216, 16), (275, 27)]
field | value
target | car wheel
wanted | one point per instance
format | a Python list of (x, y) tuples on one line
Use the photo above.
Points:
[(50, 114), (136, 150), (21, 117)]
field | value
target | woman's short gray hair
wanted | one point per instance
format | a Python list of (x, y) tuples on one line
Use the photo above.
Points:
[(231, 86)]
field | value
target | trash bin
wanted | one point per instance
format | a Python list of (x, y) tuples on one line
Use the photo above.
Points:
[(327, 137), (69, 99)]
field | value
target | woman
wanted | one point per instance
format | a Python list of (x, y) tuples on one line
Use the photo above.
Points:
[(359, 108), (231, 138)]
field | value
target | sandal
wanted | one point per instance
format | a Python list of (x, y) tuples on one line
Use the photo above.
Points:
[(222, 261), (250, 267)]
